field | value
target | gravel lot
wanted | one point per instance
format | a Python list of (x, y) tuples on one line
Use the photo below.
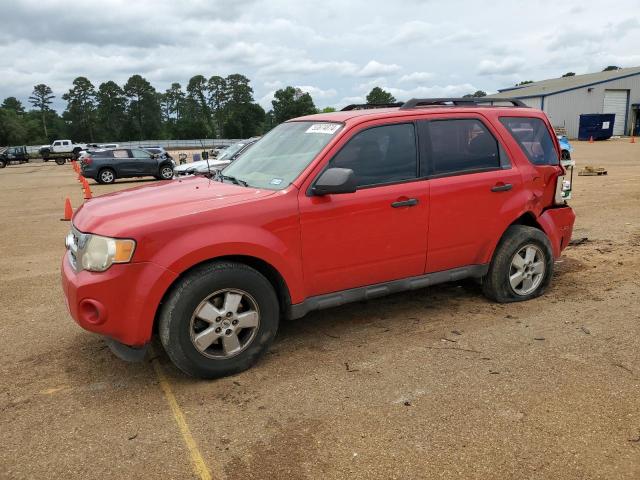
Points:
[(437, 383)]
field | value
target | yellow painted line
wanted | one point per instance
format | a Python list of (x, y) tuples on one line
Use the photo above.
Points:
[(199, 466)]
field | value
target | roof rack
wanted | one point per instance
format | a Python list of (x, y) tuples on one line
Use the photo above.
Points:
[(427, 102), (368, 106)]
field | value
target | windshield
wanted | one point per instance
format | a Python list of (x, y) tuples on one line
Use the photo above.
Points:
[(230, 151), (278, 158)]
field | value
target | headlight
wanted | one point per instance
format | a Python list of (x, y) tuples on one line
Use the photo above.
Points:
[(96, 253)]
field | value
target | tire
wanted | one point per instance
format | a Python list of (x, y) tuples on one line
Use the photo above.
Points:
[(165, 172), (106, 176), (211, 284), (3, 163), (61, 161), (508, 278), (565, 155), (76, 153)]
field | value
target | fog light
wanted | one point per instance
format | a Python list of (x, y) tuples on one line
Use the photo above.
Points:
[(92, 311)]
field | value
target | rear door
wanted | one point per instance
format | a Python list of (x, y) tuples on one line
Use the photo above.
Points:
[(472, 188), (121, 162)]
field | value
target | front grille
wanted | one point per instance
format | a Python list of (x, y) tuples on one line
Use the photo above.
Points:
[(73, 241)]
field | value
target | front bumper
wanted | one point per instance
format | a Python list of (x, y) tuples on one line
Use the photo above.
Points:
[(557, 223), (120, 303)]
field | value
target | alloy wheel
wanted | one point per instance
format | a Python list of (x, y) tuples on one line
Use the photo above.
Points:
[(224, 324), (527, 270)]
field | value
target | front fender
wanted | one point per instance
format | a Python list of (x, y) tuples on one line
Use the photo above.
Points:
[(280, 250)]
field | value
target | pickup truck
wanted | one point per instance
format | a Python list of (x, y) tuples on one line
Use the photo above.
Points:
[(13, 154), (61, 150)]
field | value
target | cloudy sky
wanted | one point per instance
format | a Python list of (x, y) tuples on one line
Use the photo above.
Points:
[(336, 50)]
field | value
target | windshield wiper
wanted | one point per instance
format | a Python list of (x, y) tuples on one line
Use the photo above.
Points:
[(233, 179)]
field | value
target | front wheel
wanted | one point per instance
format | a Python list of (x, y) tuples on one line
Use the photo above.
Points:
[(522, 266), (61, 161), (3, 163), (166, 172), (219, 319)]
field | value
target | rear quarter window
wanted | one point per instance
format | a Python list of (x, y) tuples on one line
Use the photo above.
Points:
[(534, 139)]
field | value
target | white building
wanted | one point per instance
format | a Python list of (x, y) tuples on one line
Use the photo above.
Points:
[(565, 99)]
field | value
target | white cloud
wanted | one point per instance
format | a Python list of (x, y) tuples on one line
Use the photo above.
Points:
[(448, 48), (505, 66), (436, 91), (318, 93), (416, 77), (374, 68)]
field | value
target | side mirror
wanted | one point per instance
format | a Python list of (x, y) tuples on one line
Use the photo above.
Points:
[(155, 155), (334, 181)]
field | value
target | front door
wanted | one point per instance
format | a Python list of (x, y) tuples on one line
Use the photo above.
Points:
[(378, 233)]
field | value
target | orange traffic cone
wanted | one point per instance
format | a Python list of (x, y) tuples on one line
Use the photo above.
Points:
[(87, 192), (68, 211), (591, 139)]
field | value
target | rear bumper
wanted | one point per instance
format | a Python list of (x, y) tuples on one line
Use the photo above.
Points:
[(557, 223), (120, 303)]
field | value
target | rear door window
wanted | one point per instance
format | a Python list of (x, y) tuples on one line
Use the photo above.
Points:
[(534, 139), (120, 154), (458, 146), (380, 155)]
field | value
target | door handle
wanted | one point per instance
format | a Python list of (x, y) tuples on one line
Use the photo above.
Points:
[(501, 187), (411, 202)]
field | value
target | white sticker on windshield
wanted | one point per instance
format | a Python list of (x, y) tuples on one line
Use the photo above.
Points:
[(276, 181), (328, 128)]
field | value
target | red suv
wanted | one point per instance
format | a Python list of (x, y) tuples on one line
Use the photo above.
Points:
[(323, 210)]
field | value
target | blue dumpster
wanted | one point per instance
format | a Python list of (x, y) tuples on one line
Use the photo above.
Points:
[(196, 157), (596, 125)]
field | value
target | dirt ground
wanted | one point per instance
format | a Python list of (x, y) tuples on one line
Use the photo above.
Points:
[(437, 383)]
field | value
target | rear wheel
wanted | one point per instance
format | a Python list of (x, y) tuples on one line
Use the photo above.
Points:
[(3, 163), (61, 161), (522, 266), (106, 175), (219, 319)]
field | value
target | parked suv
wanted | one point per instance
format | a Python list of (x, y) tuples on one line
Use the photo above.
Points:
[(324, 210), (105, 166)]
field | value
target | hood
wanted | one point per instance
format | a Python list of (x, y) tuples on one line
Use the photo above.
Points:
[(201, 165), (121, 213)]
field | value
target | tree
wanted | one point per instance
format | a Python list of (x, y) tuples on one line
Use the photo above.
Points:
[(110, 110), (174, 100), (238, 90), (218, 97), (197, 91), (12, 103), (525, 82), (242, 117), (12, 129), (81, 108), (611, 68), (291, 102), (569, 74), (328, 110), (476, 94), (41, 98), (145, 115), (379, 96)]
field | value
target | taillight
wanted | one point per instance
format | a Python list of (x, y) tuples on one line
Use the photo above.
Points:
[(87, 160)]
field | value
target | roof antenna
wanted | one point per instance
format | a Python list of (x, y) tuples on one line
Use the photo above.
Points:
[(206, 154)]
